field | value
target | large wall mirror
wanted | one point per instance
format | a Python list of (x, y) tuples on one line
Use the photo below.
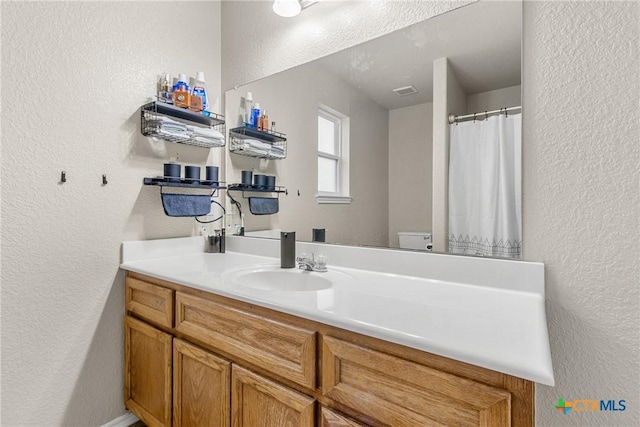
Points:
[(369, 145)]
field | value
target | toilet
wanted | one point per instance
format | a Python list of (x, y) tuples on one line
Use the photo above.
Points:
[(415, 240)]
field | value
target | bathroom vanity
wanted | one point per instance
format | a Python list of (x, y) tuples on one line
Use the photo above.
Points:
[(230, 339)]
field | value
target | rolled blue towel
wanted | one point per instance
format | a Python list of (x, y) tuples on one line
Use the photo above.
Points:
[(186, 204), (263, 205)]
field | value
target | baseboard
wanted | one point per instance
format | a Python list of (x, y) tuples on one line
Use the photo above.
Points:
[(123, 421)]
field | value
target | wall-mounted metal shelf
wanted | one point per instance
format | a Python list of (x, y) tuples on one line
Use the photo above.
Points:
[(184, 183), (183, 126), (264, 144), (254, 189), (264, 135)]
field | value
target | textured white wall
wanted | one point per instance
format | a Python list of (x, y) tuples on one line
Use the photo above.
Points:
[(581, 206), (494, 99), (581, 195), (73, 77), (448, 98), (410, 175), (258, 43)]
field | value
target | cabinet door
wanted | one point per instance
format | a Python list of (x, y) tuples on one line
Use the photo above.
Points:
[(259, 402), (201, 387), (147, 380), (330, 418)]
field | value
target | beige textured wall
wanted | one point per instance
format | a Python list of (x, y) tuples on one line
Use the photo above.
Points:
[(292, 99), (448, 98), (580, 147), (73, 77), (494, 99), (410, 170), (581, 206)]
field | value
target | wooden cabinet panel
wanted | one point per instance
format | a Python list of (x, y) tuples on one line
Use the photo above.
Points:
[(259, 402), (201, 387), (329, 418), (398, 392), (147, 372), (282, 349), (150, 302)]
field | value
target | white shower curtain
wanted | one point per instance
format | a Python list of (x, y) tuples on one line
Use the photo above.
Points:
[(485, 210)]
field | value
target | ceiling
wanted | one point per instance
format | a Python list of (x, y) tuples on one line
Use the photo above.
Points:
[(482, 42)]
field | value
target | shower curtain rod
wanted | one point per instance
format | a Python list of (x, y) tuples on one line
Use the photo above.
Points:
[(482, 115)]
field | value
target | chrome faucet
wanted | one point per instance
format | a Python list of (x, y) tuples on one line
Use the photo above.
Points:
[(311, 263)]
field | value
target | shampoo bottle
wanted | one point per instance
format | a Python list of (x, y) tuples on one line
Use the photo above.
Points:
[(264, 121), (165, 94), (248, 106), (181, 95), (199, 99), (255, 115)]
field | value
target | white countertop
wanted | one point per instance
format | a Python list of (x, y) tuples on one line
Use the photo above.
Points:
[(493, 327)]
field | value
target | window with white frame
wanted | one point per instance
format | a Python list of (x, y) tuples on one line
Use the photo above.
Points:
[(333, 156)]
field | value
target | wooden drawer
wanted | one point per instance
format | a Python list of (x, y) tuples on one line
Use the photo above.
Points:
[(150, 302), (397, 392), (284, 350)]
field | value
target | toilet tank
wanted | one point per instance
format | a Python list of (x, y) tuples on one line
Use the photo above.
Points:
[(417, 240)]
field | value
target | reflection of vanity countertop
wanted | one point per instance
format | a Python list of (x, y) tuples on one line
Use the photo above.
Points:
[(500, 326)]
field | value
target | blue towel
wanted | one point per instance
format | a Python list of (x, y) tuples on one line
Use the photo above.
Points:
[(263, 205), (186, 204)]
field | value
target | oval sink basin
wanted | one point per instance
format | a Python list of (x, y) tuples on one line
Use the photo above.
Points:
[(273, 278)]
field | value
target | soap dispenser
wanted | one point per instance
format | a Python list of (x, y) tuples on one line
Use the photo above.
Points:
[(287, 249)]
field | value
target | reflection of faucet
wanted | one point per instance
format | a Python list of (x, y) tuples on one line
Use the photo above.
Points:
[(312, 264), (215, 243)]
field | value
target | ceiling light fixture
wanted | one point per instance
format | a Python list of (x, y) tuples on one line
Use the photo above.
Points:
[(291, 8), (287, 8)]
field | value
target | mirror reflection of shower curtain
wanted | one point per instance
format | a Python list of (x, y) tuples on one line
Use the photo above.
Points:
[(485, 187)]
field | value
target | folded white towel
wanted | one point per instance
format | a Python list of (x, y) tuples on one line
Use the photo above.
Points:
[(206, 132), (211, 141), (257, 144), (255, 150), (173, 132)]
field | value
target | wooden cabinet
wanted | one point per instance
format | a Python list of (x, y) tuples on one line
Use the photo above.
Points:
[(259, 402), (330, 418), (235, 364), (200, 387), (147, 381), (398, 392)]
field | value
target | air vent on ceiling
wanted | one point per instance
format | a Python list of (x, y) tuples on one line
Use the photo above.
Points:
[(406, 90)]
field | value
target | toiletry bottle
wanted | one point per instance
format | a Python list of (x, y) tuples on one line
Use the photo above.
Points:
[(264, 121), (248, 106), (181, 96), (199, 99), (255, 115), (165, 94)]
